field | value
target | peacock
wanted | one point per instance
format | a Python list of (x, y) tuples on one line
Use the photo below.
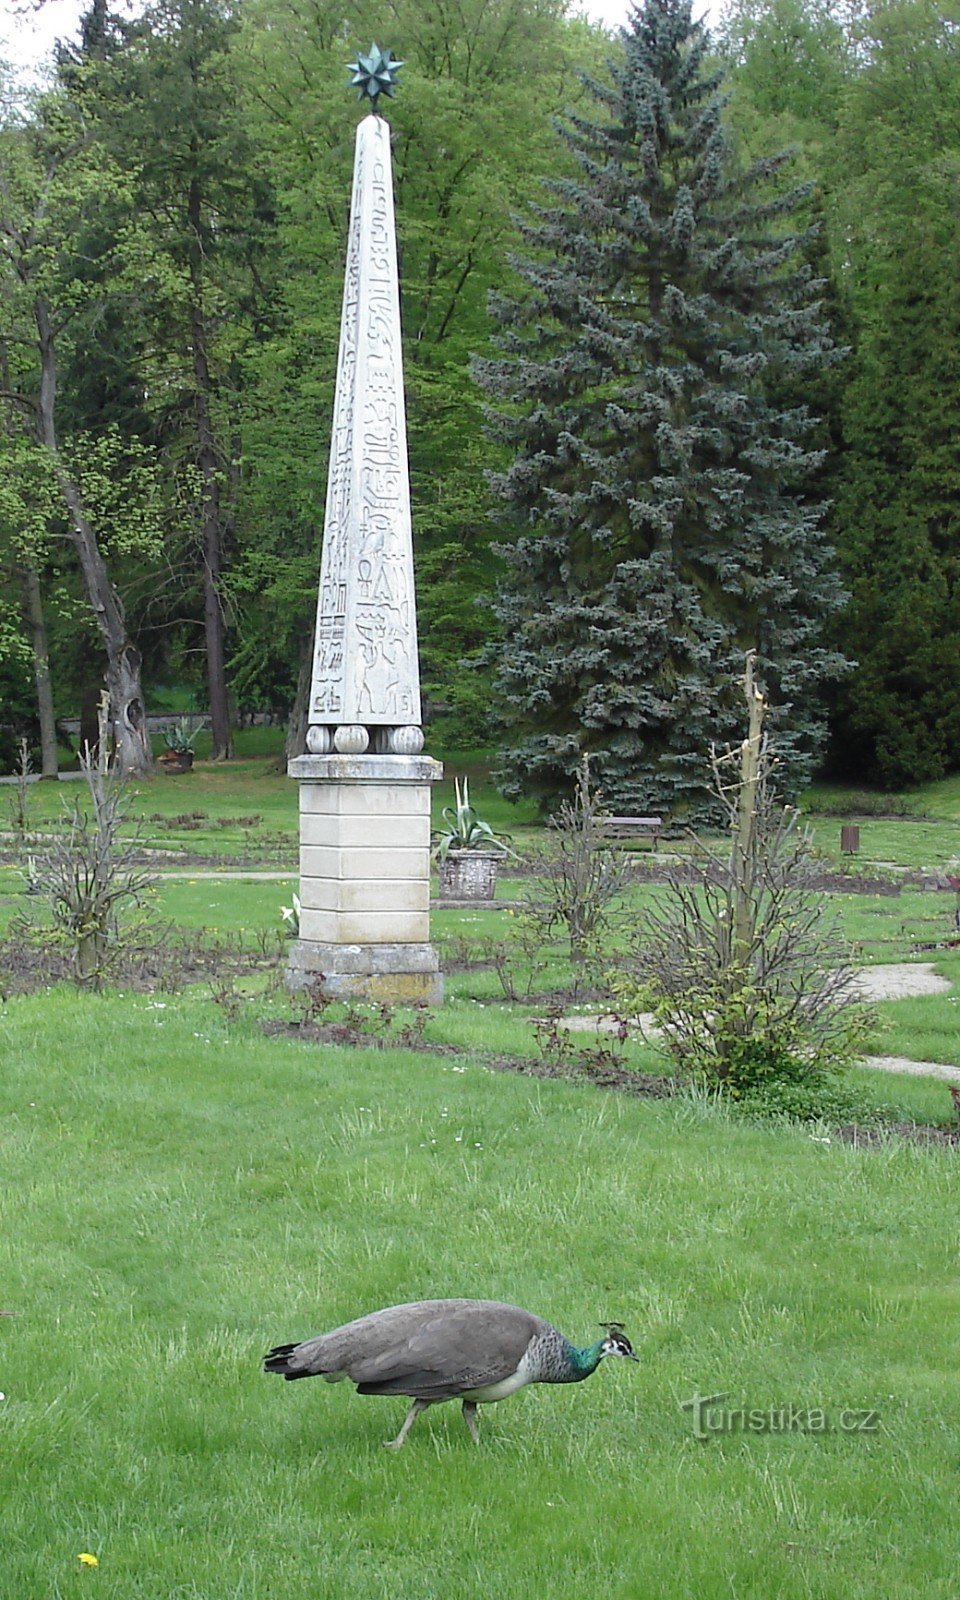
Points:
[(432, 1350)]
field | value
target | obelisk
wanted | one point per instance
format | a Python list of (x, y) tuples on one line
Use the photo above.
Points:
[(365, 784)]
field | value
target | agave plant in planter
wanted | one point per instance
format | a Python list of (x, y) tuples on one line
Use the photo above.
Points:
[(179, 738), (467, 850)]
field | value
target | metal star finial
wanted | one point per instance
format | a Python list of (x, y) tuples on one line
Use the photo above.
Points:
[(374, 74)]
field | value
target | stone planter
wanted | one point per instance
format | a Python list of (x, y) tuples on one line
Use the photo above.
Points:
[(469, 874), (176, 760)]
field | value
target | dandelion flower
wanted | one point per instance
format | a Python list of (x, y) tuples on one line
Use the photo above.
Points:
[(87, 1560)]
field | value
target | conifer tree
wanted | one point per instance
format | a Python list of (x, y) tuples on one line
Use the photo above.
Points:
[(896, 720), (656, 493)]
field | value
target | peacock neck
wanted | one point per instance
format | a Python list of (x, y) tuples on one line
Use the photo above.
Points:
[(586, 1360)]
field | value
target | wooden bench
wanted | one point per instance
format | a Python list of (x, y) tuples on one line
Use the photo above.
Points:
[(634, 829)]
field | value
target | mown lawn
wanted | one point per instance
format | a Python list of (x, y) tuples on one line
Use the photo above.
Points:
[(180, 1193), (248, 808)]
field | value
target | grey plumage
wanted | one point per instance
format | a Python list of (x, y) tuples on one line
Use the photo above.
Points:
[(433, 1350)]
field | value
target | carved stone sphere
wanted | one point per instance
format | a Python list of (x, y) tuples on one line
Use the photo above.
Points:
[(351, 739), (407, 741), (319, 740)]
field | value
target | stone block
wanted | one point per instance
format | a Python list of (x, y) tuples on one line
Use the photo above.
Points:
[(384, 974), (365, 769), (329, 861), (377, 833), (365, 799), (365, 927), (388, 974), (359, 894)]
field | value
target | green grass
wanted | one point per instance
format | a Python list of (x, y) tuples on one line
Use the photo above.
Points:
[(180, 1192), (248, 808), (179, 1195), (889, 844), (940, 799)]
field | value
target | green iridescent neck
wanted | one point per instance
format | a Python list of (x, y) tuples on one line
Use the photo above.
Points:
[(588, 1359)]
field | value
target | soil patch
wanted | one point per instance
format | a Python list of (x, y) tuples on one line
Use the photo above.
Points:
[(608, 1075)]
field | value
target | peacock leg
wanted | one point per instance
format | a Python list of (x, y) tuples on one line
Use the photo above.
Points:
[(470, 1418), (411, 1417)]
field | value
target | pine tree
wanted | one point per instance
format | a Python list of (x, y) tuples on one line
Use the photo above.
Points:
[(656, 492)]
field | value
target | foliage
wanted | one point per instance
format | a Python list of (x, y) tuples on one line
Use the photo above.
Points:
[(824, 1097), (290, 915), (182, 734), (871, 94), (183, 186), (463, 829), (897, 720)]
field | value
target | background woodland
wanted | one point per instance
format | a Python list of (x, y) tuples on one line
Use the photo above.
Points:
[(172, 222)]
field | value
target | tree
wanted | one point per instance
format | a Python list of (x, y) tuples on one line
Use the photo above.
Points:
[(896, 720), (656, 494), (53, 177), (26, 504), (166, 105)]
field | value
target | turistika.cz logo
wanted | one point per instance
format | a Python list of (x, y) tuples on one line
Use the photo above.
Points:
[(711, 1416)]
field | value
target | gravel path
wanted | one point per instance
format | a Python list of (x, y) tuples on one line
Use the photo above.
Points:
[(899, 980), (917, 1069)]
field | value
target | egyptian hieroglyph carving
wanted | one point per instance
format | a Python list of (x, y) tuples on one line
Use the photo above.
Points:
[(365, 667)]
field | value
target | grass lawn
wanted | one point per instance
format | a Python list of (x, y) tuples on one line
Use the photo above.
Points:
[(248, 808), (180, 1193)]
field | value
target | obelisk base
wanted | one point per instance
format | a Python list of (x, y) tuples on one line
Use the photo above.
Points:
[(365, 878)]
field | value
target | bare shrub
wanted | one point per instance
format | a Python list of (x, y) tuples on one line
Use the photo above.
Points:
[(20, 807), (579, 877), (90, 874)]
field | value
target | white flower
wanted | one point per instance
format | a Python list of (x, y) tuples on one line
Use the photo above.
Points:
[(291, 914)]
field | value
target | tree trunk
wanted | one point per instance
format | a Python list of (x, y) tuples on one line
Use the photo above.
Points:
[(214, 632), (299, 721), (745, 825), (134, 755), (33, 606)]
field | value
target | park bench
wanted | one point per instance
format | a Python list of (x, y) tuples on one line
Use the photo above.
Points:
[(639, 830)]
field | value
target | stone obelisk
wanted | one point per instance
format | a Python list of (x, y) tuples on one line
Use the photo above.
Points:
[(365, 784)]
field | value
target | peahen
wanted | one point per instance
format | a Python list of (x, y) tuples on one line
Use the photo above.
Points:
[(432, 1350)]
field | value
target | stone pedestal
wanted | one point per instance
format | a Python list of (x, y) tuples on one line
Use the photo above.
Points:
[(365, 877)]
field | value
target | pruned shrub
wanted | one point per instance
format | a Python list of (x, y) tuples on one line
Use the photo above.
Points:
[(90, 874), (579, 876), (747, 973)]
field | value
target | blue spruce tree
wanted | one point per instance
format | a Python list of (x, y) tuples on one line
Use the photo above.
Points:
[(655, 503)]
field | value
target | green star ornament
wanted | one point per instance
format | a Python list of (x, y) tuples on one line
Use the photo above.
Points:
[(374, 74)]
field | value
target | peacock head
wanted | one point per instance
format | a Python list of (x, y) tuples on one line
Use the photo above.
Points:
[(616, 1343)]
